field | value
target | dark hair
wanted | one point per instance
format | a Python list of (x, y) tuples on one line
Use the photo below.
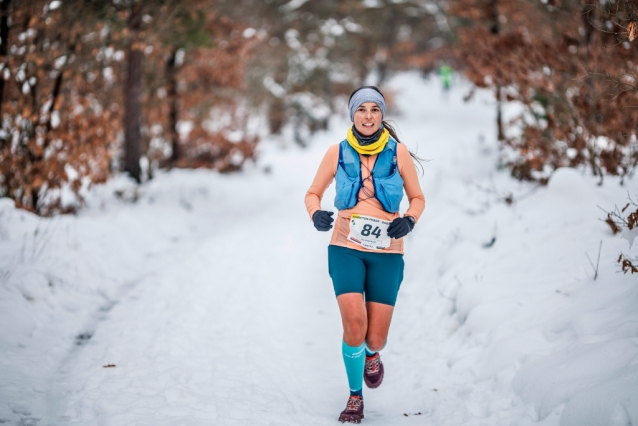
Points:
[(391, 129)]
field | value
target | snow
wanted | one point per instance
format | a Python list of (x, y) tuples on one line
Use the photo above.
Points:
[(210, 295)]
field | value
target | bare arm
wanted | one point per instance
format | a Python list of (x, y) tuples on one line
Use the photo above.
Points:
[(324, 177), (410, 183)]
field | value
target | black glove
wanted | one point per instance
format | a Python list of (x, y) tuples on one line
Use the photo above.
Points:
[(322, 220), (400, 227)]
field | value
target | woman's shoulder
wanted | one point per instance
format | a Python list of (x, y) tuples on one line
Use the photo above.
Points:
[(332, 154), (403, 155), (402, 149), (333, 149)]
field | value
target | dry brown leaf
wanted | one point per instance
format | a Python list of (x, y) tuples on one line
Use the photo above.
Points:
[(614, 228)]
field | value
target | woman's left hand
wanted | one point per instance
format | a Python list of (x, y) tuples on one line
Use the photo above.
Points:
[(400, 227)]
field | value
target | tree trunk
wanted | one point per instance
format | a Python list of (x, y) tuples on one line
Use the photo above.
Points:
[(276, 115), (4, 41), (132, 97), (588, 14), (54, 97), (495, 29), (171, 91), (499, 115), (493, 12)]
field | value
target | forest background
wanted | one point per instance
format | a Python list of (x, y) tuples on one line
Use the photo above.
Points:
[(93, 88)]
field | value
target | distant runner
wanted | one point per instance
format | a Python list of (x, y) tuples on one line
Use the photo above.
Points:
[(365, 256), (445, 73)]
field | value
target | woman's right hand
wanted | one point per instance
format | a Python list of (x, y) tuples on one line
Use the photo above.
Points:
[(322, 220)]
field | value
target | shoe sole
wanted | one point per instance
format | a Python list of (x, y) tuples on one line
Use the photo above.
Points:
[(350, 420)]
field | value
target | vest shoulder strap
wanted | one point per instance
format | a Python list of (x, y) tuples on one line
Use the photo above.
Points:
[(341, 152), (348, 157), (393, 147)]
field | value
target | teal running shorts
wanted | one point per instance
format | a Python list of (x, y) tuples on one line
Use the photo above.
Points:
[(377, 276)]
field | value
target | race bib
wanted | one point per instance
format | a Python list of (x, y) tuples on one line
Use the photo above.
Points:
[(369, 232)]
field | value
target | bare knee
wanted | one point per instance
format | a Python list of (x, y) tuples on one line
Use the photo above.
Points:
[(375, 343), (354, 330)]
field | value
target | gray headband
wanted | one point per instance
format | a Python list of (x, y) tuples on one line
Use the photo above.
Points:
[(366, 95)]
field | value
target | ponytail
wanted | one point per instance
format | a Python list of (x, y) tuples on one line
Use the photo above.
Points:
[(415, 158)]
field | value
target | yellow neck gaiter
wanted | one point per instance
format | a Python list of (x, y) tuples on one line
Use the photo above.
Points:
[(373, 148)]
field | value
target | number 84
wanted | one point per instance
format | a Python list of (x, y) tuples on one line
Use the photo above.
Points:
[(367, 230)]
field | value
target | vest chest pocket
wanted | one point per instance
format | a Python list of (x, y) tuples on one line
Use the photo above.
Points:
[(347, 190), (389, 191)]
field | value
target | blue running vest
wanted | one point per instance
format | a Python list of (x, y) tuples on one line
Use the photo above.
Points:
[(386, 179)]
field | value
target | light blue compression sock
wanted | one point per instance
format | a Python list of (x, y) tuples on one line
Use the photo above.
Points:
[(354, 360)]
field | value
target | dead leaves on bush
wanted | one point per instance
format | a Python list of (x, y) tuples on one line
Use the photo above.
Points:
[(632, 31), (617, 222), (578, 106), (627, 265), (614, 228)]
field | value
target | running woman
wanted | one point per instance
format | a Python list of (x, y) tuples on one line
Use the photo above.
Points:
[(371, 169)]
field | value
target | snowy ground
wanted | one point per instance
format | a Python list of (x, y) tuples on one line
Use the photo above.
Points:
[(210, 295)]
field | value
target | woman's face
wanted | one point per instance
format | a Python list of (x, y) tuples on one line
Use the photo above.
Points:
[(367, 118)]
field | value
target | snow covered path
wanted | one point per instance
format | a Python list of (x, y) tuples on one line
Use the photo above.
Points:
[(211, 295)]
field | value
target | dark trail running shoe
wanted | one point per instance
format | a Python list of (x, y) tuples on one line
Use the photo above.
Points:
[(373, 372), (353, 412)]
